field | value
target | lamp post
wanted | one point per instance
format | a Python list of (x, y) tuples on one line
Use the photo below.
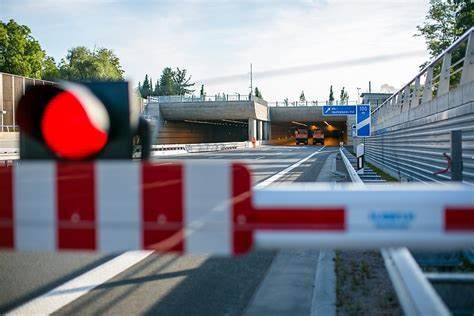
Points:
[(3, 112)]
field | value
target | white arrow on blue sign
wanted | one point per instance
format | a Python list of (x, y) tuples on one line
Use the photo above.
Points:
[(363, 120), (361, 111), (339, 110)]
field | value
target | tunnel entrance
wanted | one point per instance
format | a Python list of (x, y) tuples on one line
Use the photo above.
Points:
[(200, 131), (283, 133)]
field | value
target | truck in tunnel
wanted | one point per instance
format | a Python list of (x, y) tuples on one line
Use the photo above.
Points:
[(301, 136), (318, 137)]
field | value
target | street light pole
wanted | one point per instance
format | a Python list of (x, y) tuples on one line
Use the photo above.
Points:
[(251, 80), (3, 112)]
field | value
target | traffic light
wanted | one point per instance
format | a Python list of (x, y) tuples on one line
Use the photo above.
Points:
[(80, 121)]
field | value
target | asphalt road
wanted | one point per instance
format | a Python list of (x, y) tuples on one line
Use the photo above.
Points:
[(163, 284)]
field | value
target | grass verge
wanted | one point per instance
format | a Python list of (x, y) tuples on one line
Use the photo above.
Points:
[(382, 174)]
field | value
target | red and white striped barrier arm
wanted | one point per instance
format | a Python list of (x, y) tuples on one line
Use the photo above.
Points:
[(193, 207)]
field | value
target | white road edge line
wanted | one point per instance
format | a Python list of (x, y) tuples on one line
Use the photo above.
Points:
[(280, 174), (71, 290), (64, 294)]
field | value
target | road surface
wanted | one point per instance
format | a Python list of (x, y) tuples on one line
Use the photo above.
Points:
[(163, 284)]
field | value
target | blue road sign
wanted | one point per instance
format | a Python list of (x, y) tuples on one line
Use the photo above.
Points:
[(363, 120), (361, 111), (339, 110)]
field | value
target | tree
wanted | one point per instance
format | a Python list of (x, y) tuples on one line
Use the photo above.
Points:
[(258, 94), (167, 83), (156, 91), (286, 101), (145, 89), (445, 22), (83, 64), (108, 65), (50, 71), (21, 54), (302, 97), (465, 15), (202, 93), (344, 96), (331, 95), (182, 82)]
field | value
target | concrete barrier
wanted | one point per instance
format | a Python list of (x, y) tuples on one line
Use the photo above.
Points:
[(12, 153), (177, 149)]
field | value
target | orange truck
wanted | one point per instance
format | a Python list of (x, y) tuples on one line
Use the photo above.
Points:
[(301, 136)]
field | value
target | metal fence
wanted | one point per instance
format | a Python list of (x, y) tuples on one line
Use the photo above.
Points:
[(12, 87), (411, 129), (202, 98), (310, 103)]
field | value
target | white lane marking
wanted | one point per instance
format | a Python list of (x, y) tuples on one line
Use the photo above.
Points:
[(64, 294), (285, 171)]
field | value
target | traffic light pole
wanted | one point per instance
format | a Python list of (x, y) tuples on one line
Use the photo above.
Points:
[(146, 134)]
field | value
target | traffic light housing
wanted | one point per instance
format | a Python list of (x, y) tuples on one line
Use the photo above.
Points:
[(80, 121)]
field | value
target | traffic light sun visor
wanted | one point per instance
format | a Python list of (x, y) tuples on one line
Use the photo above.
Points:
[(75, 124)]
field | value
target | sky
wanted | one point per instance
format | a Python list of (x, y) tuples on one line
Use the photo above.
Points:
[(293, 45)]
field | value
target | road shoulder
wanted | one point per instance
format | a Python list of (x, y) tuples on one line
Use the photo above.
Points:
[(299, 282)]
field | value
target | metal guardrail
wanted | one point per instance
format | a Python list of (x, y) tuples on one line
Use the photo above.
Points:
[(310, 103), (350, 169), (204, 98), (415, 293), (411, 130), (415, 92), (213, 98)]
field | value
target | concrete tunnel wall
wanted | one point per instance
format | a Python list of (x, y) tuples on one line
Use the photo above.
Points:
[(282, 117), (216, 110), (201, 122), (283, 133), (206, 122), (301, 114), (179, 132)]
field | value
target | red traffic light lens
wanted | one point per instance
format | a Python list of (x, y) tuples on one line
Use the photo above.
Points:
[(70, 130)]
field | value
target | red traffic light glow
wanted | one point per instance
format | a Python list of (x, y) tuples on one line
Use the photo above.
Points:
[(74, 129)]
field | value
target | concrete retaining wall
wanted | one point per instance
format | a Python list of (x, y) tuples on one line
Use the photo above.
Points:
[(172, 132), (301, 114), (216, 110), (409, 142)]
